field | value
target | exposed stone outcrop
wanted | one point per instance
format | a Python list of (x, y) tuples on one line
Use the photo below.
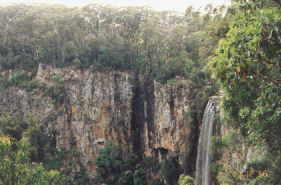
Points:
[(139, 115)]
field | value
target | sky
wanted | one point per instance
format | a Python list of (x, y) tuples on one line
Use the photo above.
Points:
[(176, 5)]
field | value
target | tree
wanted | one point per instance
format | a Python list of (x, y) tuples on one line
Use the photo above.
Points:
[(17, 169), (247, 68), (115, 167)]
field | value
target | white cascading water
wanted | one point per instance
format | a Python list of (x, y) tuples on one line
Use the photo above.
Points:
[(204, 146)]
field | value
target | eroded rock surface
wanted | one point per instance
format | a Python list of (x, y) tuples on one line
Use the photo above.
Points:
[(94, 108)]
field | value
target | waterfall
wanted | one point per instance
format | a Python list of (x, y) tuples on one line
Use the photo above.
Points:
[(204, 146)]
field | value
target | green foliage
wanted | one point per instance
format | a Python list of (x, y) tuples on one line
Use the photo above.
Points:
[(42, 142), (162, 45), (78, 178), (170, 171), (117, 168), (12, 126), (114, 168), (159, 45), (56, 91), (185, 180), (17, 169), (43, 146), (18, 78), (231, 138), (42, 159), (247, 68)]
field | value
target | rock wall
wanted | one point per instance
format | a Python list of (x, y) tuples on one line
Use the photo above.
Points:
[(232, 153), (88, 108)]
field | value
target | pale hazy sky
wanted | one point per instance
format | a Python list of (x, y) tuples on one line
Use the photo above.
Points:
[(178, 5)]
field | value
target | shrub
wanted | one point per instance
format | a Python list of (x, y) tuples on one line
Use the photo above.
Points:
[(16, 167), (117, 168), (185, 180), (170, 170)]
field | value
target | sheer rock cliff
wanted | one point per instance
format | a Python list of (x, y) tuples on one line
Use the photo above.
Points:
[(89, 108)]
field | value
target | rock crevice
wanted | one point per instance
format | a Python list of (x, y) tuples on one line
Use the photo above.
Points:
[(140, 115)]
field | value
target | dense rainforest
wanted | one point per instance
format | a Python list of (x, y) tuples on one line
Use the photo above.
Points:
[(232, 52), (160, 44)]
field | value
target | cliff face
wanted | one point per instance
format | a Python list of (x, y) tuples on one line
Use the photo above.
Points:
[(88, 109), (233, 154)]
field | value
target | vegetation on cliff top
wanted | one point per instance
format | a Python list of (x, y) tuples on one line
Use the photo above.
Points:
[(160, 45), (157, 45)]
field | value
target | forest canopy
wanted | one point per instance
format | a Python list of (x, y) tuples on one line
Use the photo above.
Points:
[(238, 46), (161, 44), (247, 67), (156, 45)]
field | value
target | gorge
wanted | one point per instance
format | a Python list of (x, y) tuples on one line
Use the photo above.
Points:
[(143, 117), (101, 95)]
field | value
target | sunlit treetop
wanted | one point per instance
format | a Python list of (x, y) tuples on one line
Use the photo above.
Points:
[(180, 5)]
